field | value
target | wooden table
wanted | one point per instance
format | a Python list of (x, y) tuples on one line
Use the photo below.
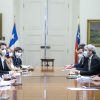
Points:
[(50, 86)]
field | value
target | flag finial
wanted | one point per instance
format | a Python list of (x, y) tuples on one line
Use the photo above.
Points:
[(14, 19)]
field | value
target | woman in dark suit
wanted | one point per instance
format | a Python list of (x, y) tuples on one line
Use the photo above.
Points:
[(17, 62)]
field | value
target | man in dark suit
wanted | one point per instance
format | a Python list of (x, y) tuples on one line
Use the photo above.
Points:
[(3, 65), (82, 59), (93, 62)]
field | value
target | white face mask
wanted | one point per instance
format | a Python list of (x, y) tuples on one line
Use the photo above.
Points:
[(3, 52), (85, 53), (10, 54), (18, 54), (80, 56)]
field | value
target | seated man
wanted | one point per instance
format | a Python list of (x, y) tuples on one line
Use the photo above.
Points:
[(3, 65), (82, 62), (93, 62), (82, 59)]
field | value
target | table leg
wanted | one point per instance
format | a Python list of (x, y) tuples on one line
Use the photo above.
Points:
[(52, 63), (42, 63)]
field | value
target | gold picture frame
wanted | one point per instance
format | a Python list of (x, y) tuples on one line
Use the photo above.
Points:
[(93, 32), (0, 26)]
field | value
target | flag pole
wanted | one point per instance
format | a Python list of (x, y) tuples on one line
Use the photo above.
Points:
[(46, 28), (78, 20), (14, 19)]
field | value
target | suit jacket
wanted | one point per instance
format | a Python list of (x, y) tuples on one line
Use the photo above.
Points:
[(82, 65), (4, 70), (17, 61), (94, 66)]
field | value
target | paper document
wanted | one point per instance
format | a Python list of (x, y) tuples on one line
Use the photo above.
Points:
[(25, 66), (5, 83), (82, 88), (5, 88), (84, 79)]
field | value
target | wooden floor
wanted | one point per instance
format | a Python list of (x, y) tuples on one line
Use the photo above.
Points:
[(49, 85)]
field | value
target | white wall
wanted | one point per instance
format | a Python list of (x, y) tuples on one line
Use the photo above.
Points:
[(6, 8), (74, 9), (86, 9), (89, 9)]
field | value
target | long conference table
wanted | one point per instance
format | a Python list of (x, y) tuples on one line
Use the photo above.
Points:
[(49, 85)]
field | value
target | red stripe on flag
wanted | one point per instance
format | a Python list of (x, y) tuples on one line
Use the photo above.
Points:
[(76, 54)]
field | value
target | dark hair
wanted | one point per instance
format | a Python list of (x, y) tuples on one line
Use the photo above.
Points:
[(2, 43), (18, 48), (81, 46)]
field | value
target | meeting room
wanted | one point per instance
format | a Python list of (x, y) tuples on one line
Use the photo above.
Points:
[(49, 50)]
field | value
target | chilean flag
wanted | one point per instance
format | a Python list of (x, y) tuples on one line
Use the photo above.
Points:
[(77, 43), (14, 37)]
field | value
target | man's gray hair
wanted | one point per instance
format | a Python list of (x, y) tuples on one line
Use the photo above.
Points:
[(91, 47)]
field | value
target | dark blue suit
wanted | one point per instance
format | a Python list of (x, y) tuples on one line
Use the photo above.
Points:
[(17, 61), (4, 70), (94, 66), (82, 65)]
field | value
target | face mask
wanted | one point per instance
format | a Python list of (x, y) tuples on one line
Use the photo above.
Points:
[(3, 52), (85, 53), (18, 54), (10, 54), (80, 56)]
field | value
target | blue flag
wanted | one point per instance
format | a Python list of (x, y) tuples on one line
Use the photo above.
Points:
[(14, 36)]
